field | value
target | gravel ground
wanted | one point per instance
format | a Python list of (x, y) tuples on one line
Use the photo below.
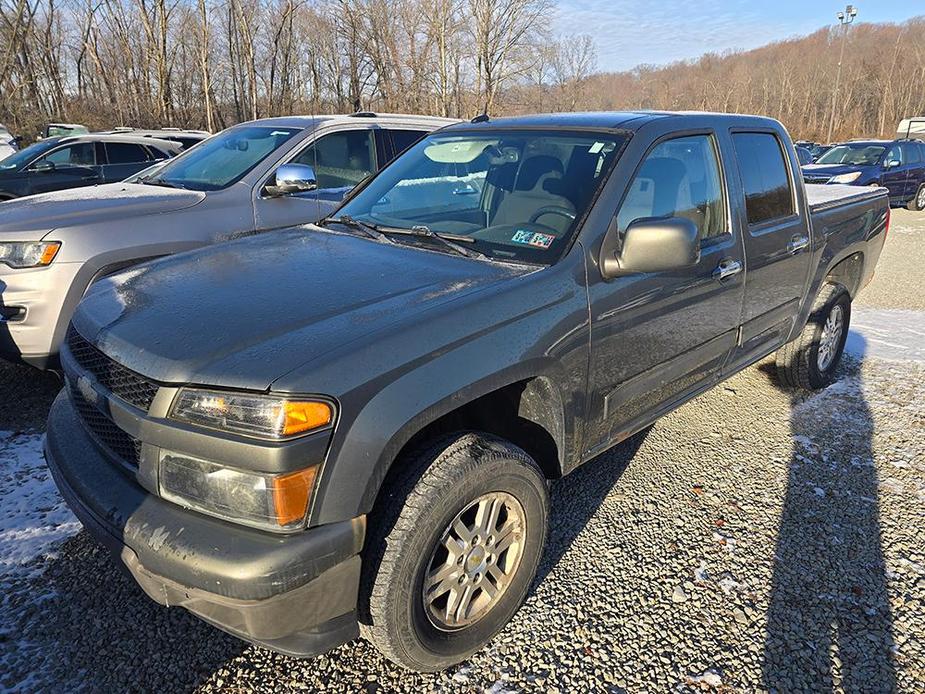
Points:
[(754, 539)]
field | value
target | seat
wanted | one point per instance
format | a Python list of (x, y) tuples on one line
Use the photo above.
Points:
[(538, 184)]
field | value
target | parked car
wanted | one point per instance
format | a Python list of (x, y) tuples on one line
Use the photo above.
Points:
[(911, 128), (249, 178), (187, 138), (63, 130), (59, 163), (816, 150), (897, 165), (355, 423), (8, 143), (804, 155)]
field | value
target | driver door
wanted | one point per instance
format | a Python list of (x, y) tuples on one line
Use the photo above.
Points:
[(72, 166), (340, 159), (656, 337)]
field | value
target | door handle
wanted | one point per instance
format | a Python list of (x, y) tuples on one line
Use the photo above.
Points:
[(797, 244), (727, 268)]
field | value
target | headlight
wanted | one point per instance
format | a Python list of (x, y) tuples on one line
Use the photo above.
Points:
[(22, 254), (262, 416), (274, 502), (846, 178)]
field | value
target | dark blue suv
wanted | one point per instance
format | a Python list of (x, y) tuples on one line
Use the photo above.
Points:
[(898, 165)]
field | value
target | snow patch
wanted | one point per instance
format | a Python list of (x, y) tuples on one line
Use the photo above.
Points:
[(33, 516)]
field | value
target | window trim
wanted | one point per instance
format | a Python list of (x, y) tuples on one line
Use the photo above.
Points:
[(773, 222), (711, 134)]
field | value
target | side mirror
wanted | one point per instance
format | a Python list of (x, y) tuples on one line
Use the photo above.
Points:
[(650, 245), (43, 166), (892, 163), (293, 178)]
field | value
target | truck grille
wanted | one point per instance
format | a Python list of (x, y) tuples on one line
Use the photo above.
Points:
[(124, 383), (121, 444)]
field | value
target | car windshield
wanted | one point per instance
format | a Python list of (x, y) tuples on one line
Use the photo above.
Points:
[(514, 195), (225, 159), (859, 154), (20, 159)]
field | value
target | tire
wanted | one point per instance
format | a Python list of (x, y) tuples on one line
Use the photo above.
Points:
[(810, 361), (917, 203), (405, 546)]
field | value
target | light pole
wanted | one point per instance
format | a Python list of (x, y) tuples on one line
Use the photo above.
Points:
[(844, 18)]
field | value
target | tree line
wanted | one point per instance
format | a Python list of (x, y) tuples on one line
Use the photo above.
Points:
[(212, 63)]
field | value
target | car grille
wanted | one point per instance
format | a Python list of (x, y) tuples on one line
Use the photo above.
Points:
[(124, 383), (121, 444), (816, 179)]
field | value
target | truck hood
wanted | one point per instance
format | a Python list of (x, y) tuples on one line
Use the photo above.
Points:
[(244, 313), (36, 215)]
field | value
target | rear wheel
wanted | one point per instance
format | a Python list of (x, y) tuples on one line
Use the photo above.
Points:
[(453, 548), (917, 204), (810, 360)]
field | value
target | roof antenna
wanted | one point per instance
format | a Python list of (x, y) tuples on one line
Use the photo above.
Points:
[(481, 118)]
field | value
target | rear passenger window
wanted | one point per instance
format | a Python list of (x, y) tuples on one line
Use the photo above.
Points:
[(403, 139), (125, 153), (912, 154), (763, 169), (678, 178)]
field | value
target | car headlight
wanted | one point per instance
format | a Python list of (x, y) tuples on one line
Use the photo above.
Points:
[(262, 416), (846, 178), (23, 254), (272, 502)]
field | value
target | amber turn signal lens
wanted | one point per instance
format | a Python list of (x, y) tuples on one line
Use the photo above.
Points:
[(305, 416), (49, 253), (291, 494)]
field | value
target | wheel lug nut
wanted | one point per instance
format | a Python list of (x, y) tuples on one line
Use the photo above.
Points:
[(460, 560), (462, 579)]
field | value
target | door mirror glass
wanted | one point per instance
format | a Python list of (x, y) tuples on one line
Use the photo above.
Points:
[(892, 163), (651, 245), (43, 166), (292, 179)]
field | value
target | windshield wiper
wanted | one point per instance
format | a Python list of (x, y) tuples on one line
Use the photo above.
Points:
[(446, 240), (371, 230)]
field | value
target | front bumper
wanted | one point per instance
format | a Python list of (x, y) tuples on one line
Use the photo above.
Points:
[(41, 295), (296, 593)]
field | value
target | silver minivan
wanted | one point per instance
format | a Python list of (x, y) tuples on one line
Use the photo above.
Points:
[(249, 178)]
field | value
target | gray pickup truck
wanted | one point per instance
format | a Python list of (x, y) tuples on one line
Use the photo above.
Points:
[(351, 427)]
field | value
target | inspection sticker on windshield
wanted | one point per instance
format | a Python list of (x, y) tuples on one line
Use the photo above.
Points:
[(533, 238)]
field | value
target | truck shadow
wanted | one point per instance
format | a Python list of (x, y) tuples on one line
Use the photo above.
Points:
[(829, 625)]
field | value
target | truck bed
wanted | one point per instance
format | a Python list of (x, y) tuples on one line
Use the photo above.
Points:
[(824, 196)]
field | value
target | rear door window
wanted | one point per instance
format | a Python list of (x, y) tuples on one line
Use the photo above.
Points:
[(911, 154), (125, 153), (403, 139), (765, 178)]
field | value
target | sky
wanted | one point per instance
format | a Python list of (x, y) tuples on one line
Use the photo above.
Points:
[(632, 32)]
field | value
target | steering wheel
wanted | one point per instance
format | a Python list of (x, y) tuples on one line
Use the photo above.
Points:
[(552, 209)]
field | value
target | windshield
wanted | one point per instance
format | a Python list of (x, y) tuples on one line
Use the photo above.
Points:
[(17, 161), (224, 159), (515, 195), (859, 154)]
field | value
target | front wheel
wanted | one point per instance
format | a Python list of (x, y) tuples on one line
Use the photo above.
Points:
[(917, 204), (810, 360), (453, 548)]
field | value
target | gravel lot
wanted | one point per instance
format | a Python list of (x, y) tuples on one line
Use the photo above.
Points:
[(752, 540)]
